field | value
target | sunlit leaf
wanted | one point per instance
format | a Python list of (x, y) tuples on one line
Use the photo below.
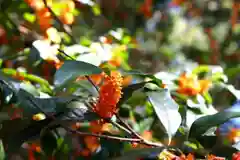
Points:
[(70, 70), (167, 110), (29, 17)]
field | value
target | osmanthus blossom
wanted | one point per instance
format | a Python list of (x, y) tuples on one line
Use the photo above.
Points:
[(190, 85), (109, 95), (105, 107)]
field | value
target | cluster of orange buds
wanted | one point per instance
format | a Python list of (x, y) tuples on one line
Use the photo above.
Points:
[(91, 142), (190, 85), (234, 135), (31, 149), (95, 78), (109, 95), (43, 14), (236, 156), (66, 15), (178, 2)]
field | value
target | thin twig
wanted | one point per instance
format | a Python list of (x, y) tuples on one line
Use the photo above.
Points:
[(64, 27), (129, 128), (143, 141), (61, 51), (138, 140), (121, 127)]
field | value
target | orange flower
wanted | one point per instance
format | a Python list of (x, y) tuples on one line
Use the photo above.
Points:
[(178, 2), (96, 126), (115, 61), (204, 85), (67, 18), (127, 80), (213, 157), (109, 95), (236, 156), (190, 157), (191, 86), (96, 78), (146, 8), (44, 19), (91, 143), (233, 135)]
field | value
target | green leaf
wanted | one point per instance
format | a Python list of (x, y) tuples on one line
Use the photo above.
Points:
[(49, 143), (128, 91), (114, 148), (201, 125), (96, 10), (49, 105), (29, 17), (139, 153), (9, 133), (167, 110), (29, 88), (70, 70), (145, 124), (2, 152)]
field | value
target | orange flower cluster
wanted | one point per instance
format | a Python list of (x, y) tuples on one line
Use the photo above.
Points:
[(43, 15), (67, 16), (109, 95), (146, 8), (191, 86), (33, 148), (178, 2), (169, 156), (91, 142), (236, 156)]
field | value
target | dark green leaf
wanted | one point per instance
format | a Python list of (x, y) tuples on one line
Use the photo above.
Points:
[(2, 152), (224, 151), (49, 142), (8, 94), (207, 141), (49, 105), (128, 91), (14, 132), (113, 147), (70, 70), (201, 125), (139, 153)]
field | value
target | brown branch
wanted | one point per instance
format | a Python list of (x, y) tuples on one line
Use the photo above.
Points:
[(129, 128), (138, 140), (215, 57), (134, 133)]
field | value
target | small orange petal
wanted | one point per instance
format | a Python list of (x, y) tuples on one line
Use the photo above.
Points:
[(190, 156), (92, 143)]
